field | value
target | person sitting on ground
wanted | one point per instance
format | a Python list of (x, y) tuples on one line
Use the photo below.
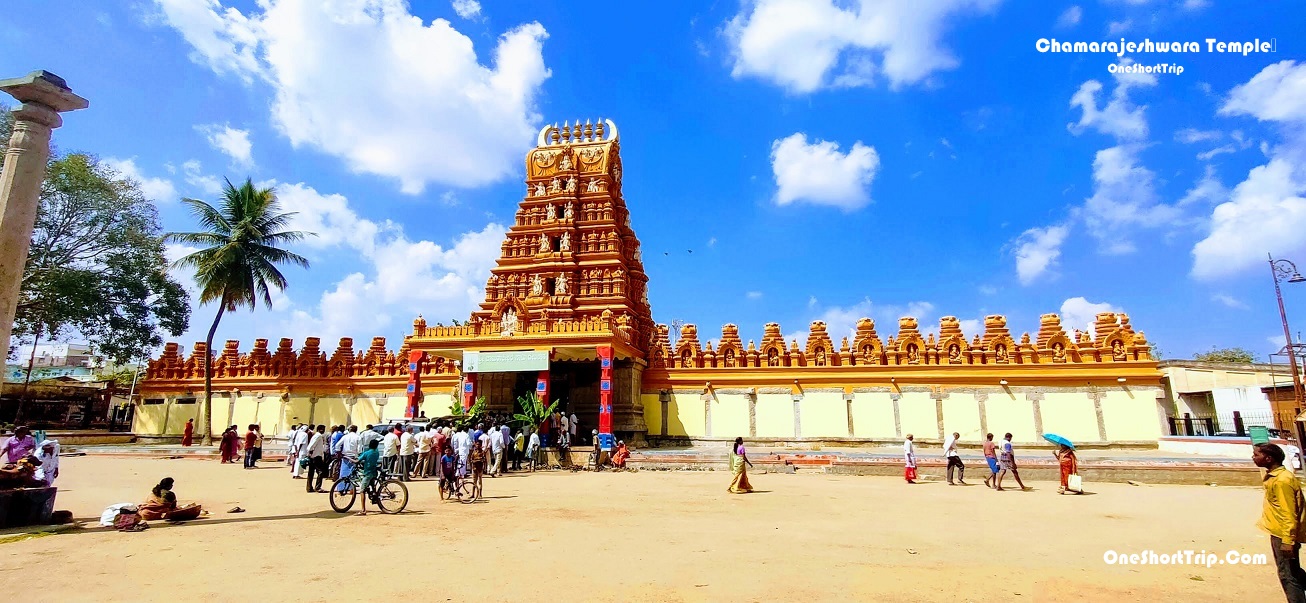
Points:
[(48, 456), (620, 456), (162, 504), (21, 474)]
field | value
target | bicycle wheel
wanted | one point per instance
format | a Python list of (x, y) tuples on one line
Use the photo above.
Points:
[(391, 496), (343, 493), (466, 493)]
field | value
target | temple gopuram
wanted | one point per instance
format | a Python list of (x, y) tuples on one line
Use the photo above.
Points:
[(566, 315)]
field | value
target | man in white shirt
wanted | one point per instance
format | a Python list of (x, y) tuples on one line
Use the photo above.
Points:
[(390, 451), (366, 438), (299, 447), (574, 425), (532, 448), (423, 439), (954, 459), (317, 459), (508, 453), (462, 446), (496, 450), (564, 431), (407, 454)]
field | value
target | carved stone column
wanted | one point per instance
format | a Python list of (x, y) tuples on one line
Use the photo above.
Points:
[(44, 95)]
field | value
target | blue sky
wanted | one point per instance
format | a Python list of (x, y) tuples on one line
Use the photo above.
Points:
[(821, 160)]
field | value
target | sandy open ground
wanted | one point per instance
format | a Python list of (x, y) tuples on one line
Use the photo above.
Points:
[(647, 536)]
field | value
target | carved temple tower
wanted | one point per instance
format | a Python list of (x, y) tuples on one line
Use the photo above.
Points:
[(566, 310), (571, 253)]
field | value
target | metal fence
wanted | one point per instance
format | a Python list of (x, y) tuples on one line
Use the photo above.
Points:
[(1231, 424)]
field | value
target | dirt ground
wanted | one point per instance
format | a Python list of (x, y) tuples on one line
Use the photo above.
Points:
[(646, 536)]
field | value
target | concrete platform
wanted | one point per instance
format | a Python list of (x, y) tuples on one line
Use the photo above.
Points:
[(1101, 467)]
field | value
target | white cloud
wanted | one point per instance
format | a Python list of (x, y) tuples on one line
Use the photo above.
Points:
[(1038, 250), (1229, 300), (988, 290), (1115, 28), (467, 9), (818, 173), (1193, 135), (1118, 117), (1220, 150), (1070, 17), (805, 45), (329, 216), (405, 277), (159, 190), (1123, 196), (195, 176), (753, 295), (1274, 94), (222, 38), (359, 81), (1266, 213), (1208, 189), (232, 142), (711, 242), (1079, 313), (1195, 5)]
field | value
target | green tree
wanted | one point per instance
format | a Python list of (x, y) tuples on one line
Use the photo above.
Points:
[(1226, 355), (533, 412), (240, 249), (96, 269)]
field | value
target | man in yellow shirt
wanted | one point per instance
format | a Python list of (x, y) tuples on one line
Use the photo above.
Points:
[(1283, 518)]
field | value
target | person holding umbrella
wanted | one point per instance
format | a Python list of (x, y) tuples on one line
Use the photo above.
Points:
[(1066, 458)]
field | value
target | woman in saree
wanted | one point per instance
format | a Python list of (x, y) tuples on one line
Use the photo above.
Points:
[(1069, 466), (227, 446), (738, 460), (162, 504), (619, 457)]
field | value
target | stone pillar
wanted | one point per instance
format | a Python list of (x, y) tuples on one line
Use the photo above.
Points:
[(234, 398), (350, 401), (44, 95)]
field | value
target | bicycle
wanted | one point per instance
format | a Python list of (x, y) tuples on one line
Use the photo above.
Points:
[(460, 488), (388, 494)]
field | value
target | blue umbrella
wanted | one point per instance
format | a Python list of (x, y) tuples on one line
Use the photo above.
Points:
[(1056, 439)]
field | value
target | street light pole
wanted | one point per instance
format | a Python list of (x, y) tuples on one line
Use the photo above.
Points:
[(1280, 270)]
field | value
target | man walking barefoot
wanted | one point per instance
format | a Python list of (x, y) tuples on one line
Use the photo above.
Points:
[(1282, 518), (954, 459), (991, 457), (1007, 461)]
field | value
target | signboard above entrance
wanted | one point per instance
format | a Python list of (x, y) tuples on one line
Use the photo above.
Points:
[(505, 362)]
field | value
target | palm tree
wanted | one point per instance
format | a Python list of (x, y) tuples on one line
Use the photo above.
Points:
[(237, 261)]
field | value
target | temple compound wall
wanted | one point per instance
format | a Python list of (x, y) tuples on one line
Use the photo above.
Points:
[(285, 387), (566, 316), (1095, 390)]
